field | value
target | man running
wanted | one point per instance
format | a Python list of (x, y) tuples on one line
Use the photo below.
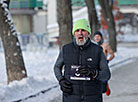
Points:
[(98, 37)]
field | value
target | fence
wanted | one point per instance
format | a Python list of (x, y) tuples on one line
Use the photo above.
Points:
[(32, 42), (21, 4)]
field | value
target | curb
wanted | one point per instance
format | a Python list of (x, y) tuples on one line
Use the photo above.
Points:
[(37, 94), (120, 62)]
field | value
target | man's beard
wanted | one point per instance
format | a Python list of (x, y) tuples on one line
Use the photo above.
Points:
[(80, 43)]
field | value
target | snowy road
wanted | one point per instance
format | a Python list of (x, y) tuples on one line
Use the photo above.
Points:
[(124, 84)]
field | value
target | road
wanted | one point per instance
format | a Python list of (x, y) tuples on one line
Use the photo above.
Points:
[(123, 84)]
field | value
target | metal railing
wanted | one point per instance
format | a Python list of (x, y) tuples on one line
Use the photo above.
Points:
[(20, 4), (32, 42)]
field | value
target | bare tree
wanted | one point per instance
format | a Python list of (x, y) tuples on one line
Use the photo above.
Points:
[(64, 14), (106, 6), (92, 15), (14, 60)]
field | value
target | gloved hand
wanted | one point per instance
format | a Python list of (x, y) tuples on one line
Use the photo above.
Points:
[(65, 86), (88, 71), (107, 61)]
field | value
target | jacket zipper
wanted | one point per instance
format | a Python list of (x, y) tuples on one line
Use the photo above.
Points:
[(81, 82), (80, 56)]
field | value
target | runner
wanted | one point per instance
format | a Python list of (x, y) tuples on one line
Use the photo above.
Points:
[(98, 37)]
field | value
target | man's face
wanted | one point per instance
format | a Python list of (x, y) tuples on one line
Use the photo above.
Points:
[(81, 36), (97, 38)]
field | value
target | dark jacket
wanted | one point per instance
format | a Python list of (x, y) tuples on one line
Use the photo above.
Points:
[(83, 91)]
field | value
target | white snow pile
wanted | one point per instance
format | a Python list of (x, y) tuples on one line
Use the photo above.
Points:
[(39, 68), (24, 88)]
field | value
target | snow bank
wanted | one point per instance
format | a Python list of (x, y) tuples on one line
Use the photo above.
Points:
[(24, 88)]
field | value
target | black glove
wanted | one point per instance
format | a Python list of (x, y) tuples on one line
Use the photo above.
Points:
[(88, 71), (107, 61), (65, 86)]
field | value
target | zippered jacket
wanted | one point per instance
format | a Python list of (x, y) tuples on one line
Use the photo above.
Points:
[(88, 54)]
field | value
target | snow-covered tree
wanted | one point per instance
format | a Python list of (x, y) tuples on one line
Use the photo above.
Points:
[(14, 60)]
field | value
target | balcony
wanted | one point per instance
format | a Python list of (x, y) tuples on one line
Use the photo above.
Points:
[(26, 4)]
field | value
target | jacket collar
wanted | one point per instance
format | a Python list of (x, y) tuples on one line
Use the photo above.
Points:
[(82, 46)]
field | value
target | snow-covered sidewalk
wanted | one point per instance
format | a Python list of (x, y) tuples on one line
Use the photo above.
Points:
[(39, 67)]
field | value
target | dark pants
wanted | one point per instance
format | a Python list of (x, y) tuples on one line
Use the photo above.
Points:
[(104, 87)]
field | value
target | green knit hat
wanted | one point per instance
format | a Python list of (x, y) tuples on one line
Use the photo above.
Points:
[(81, 24)]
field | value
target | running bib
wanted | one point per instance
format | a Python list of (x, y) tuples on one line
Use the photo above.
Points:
[(74, 75)]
